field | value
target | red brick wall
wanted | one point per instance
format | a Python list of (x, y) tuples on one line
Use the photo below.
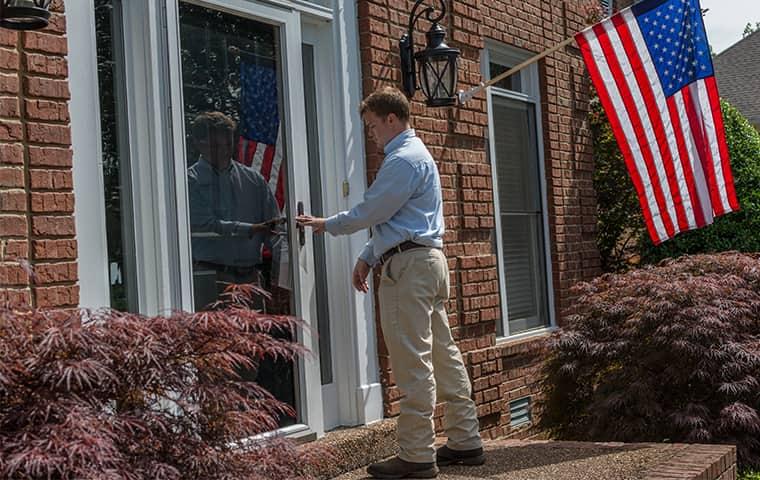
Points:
[(36, 191), (457, 139)]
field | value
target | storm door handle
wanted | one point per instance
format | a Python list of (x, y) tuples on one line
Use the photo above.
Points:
[(301, 228)]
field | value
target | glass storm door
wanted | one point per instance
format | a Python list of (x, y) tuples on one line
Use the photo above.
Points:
[(247, 169)]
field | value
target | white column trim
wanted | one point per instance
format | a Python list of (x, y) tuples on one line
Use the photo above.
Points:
[(84, 107), (360, 327)]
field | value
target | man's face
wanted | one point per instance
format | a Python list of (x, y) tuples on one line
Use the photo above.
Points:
[(218, 147), (381, 129)]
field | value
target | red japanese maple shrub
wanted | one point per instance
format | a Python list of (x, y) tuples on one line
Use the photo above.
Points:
[(111, 395), (665, 353)]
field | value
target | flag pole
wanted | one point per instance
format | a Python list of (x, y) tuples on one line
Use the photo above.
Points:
[(467, 96)]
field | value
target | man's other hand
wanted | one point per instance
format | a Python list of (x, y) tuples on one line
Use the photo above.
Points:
[(359, 279), (318, 224)]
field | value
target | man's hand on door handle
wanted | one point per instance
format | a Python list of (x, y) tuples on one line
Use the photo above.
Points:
[(316, 223)]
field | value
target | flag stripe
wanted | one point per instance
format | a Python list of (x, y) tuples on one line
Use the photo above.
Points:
[(258, 159), (610, 100), (700, 180), (266, 167), (241, 149), (633, 62), (713, 151), (687, 156), (250, 152), (276, 165), (279, 193), (638, 140), (693, 111), (717, 114), (716, 138)]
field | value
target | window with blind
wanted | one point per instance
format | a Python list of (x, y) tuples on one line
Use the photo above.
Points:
[(606, 7), (521, 236)]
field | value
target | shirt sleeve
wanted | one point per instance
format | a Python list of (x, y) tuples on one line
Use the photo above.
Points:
[(368, 254), (202, 218), (271, 211), (395, 183)]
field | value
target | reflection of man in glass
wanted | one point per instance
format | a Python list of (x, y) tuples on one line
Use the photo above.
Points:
[(232, 209)]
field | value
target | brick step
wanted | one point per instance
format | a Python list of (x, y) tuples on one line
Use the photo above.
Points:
[(557, 460)]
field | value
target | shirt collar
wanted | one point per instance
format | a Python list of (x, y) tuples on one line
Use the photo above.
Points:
[(399, 140), (208, 165)]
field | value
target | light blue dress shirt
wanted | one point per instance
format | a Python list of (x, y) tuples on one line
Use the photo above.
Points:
[(224, 205), (404, 203)]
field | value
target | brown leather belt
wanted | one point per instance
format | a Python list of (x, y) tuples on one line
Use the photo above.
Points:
[(401, 247)]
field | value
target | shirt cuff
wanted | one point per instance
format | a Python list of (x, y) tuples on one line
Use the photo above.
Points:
[(368, 255), (332, 225), (242, 229)]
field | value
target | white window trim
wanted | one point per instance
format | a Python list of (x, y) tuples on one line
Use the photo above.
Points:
[(608, 9), (531, 94)]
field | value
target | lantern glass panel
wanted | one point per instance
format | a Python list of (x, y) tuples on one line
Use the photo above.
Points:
[(438, 76), (27, 3)]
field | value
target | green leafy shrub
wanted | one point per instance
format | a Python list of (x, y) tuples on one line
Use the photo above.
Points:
[(666, 353), (622, 238), (619, 219), (749, 475)]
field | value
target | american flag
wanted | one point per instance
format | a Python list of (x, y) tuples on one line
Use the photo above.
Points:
[(652, 67), (259, 145)]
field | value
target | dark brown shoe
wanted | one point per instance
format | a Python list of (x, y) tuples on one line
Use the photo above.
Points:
[(397, 468), (446, 456)]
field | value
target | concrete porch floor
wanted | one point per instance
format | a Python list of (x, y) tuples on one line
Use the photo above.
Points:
[(541, 460)]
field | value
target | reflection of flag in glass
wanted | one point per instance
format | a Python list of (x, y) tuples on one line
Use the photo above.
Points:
[(259, 143)]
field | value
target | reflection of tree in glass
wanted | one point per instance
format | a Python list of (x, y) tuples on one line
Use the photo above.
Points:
[(211, 82), (111, 162), (210, 73)]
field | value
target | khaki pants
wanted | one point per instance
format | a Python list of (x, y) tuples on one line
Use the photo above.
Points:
[(426, 362)]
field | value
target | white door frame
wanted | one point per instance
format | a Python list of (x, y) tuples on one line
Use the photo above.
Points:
[(361, 400), (317, 33), (156, 138), (288, 22)]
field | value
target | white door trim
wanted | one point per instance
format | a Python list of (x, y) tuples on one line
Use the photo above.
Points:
[(362, 393), (308, 394), (156, 134), (89, 208)]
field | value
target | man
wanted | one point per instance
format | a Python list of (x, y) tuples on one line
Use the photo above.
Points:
[(232, 209), (404, 208)]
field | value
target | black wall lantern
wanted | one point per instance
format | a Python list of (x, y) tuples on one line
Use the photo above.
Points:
[(24, 14), (438, 63)]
